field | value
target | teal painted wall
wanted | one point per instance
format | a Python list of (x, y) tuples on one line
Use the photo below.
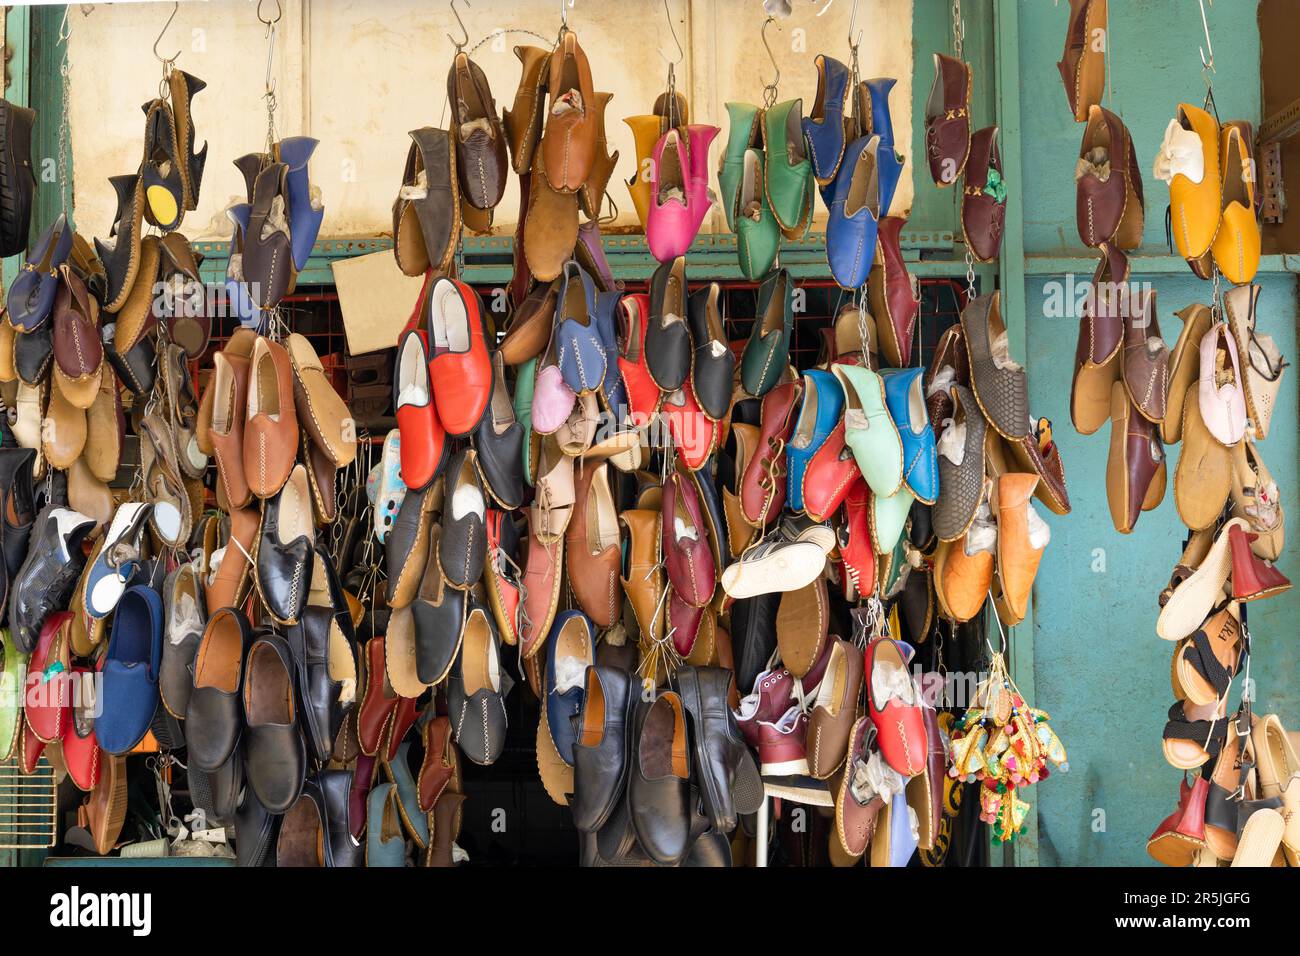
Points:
[(1100, 669)]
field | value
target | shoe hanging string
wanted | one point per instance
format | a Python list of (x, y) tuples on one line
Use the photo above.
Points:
[(65, 37), (958, 29), (674, 114)]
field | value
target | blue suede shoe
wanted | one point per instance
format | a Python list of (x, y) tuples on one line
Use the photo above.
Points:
[(408, 803), (31, 295), (855, 212), (384, 843), (824, 126), (823, 404), (581, 351), (906, 401), (569, 652), (130, 690), (304, 218)]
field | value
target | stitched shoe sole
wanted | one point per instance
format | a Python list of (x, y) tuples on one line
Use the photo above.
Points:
[(793, 567)]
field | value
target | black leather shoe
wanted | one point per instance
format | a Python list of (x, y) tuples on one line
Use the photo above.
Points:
[(322, 658), (315, 830), (464, 523), (659, 788), (17, 512), (217, 792), (725, 772), (499, 442), (406, 548), (122, 258), (47, 578), (33, 353), (476, 693), (600, 753), (275, 759), (214, 717), (284, 548), (256, 830), (667, 337), (164, 189), (17, 178), (439, 611), (138, 368), (753, 635), (711, 375)]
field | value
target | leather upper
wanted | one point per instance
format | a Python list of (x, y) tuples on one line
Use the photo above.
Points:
[(767, 353), (687, 555), (947, 120), (891, 293), (460, 371), (271, 424), (823, 127), (134, 658), (906, 402), (480, 142), (984, 197), (822, 408), (763, 487)]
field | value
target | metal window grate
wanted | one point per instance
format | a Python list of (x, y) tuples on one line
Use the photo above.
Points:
[(28, 807)]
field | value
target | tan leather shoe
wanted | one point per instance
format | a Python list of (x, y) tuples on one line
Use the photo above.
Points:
[(1017, 558), (63, 433), (321, 411), (270, 437), (1136, 469), (229, 586), (104, 811), (8, 337), (1184, 368), (1083, 64), (569, 134), (1255, 497), (550, 227), (592, 547), (802, 619), (88, 495), (1203, 476), (1236, 245), (646, 130), (1195, 205), (523, 122), (644, 579)]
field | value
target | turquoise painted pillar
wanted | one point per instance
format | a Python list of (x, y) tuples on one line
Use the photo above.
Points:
[(1100, 669)]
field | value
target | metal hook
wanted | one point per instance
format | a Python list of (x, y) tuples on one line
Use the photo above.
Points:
[(460, 45), (565, 7), (161, 33), (65, 27), (1206, 64), (681, 54), (771, 56), (279, 12), (854, 42)]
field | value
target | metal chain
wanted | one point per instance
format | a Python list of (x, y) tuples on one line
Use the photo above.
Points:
[(269, 95), (65, 125), (550, 41), (958, 28)]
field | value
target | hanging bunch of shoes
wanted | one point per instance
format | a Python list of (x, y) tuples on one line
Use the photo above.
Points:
[(1220, 385), (275, 228)]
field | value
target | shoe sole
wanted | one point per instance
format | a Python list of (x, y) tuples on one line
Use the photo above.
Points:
[(789, 569), (1193, 598), (786, 768), (1260, 839)]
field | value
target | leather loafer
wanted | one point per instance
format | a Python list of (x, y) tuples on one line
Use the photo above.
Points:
[(713, 363), (32, 292), (284, 549), (314, 831), (477, 690), (947, 120), (581, 353), (499, 443), (906, 403), (185, 614), (271, 423), (214, 719), (439, 611), (325, 669), (822, 408), (275, 760), (601, 753), (659, 785), (460, 372), (464, 537), (569, 652), (668, 337), (48, 576), (592, 552), (767, 353), (729, 781), (823, 127), (687, 555)]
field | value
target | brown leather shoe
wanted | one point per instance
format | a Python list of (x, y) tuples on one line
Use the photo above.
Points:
[(270, 424), (230, 585), (763, 487), (105, 428), (523, 122), (476, 129), (893, 295), (104, 811), (1017, 558), (540, 583), (592, 194), (983, 213), (528, 329), (1146, 357), (1108, 183), (1083, 64), (947, 120), (592, 547), (1184, 369), (1135, 468), (550, 227), (426, 213), (802, 619), (321, 411), (1203, 476), (833, 711), (855, 822), (644, 580), (78, 351), (63, 432), (1098, 354), (569, 136)]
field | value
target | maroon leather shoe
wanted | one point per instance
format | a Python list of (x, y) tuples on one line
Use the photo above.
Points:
[(1108, 209), (949, 354), (892, 294), (687, 555), (947, 120), (1252, 577), (1101, 335), (854, 541), (984, 197), (684, 622), (763, 488)]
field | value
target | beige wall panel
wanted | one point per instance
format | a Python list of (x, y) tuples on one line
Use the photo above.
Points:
[(358, 74)]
